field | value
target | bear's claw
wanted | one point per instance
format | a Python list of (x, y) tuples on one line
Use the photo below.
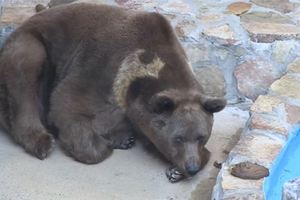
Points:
[(127, 144), (174, 175), (45, 146)]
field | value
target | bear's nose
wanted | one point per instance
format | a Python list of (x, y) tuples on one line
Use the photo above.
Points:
[(192, 168)]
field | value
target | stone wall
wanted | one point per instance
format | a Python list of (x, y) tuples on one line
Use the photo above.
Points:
[(273, 117)]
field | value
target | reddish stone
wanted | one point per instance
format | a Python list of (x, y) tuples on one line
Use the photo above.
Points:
[(239, 8), (293, 114), (223, 33), (265, 122), (268, 27), (254, 77)]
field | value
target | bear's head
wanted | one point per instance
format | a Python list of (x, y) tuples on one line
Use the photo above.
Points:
[(163, 99), (168, 107), (179, 124)]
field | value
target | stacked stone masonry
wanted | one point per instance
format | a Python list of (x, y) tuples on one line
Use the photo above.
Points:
[(273, 116)]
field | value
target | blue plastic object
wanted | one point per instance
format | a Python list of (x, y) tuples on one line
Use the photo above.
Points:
[(286, 167)]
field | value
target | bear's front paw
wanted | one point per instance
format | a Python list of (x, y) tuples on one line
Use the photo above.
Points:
[(174, 175), (44, 146), (125, 144)]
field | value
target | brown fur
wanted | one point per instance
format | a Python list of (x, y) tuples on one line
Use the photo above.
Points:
[(94, 71)]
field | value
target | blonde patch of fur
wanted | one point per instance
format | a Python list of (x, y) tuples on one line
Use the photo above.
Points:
[(131, 69)]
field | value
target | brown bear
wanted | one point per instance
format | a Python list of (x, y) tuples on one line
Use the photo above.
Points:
[(95, 73)]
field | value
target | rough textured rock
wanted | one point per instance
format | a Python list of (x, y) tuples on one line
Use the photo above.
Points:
[(293, 116), (283, 6), (291, 190), (137, 4), (185, 27), (15, 16), (239, 8), (269, 122), (231, 183), (24, 3), (296, 15), (287, 86), (248, 170), (250, 195), (273, 113), (197, 54), (59, 2), (212, 80), (223, 33), (268, 27), (265, 104), (269, 32), (209, 18), (177, 6), (265, 18), (294, 66), (92, 1), (254, 77), (257, 148), (282, 51)]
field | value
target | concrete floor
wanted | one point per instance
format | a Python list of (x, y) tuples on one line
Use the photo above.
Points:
[(127, 175)]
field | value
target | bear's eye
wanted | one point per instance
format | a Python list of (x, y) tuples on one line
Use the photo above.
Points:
[(163, 104), (178, 140), (200, 139)]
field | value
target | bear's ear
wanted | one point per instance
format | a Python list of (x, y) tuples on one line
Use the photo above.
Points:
[(213, 104)]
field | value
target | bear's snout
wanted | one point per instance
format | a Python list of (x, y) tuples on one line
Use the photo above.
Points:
[(192, 158), (192, 167)]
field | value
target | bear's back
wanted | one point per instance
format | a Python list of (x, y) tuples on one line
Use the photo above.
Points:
[(101, 27)]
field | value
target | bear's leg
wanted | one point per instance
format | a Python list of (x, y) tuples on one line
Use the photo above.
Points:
[(22, 61), (121, 136), (83, 143), (122, 140), (76, 112), (80, 137)]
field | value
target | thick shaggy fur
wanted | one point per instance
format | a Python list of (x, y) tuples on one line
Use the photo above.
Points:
[(94, 71)]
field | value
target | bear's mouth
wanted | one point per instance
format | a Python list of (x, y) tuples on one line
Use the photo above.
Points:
[(176, 174)]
